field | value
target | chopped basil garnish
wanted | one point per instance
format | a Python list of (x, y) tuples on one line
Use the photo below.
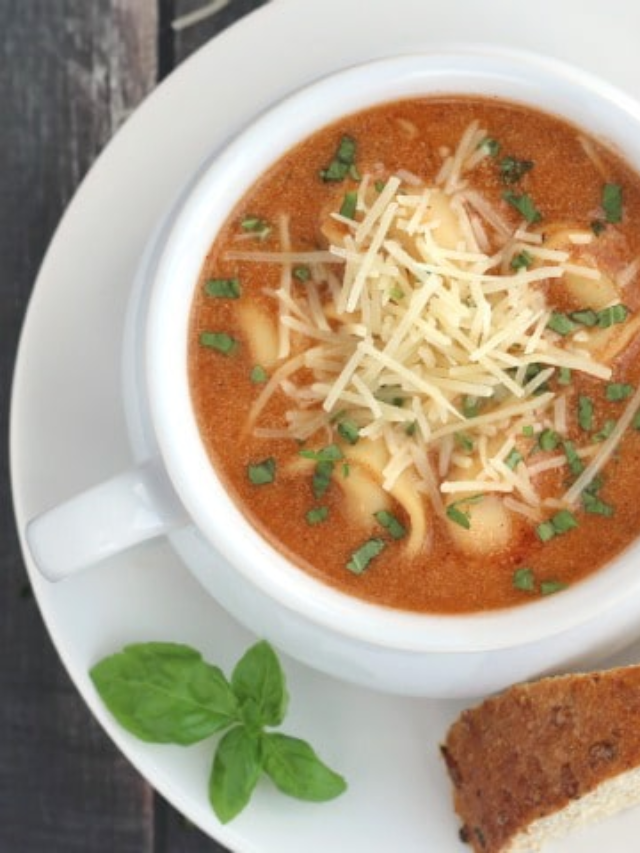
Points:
[(349, 431), (223, 288), (612, 315), (262, 473), (512, 170), (258, 375), (361, 558), (343, 161), (330, 453), (455, 514), (548, 439), (317, 515), (220, 341), (561, 522), (617, 391), (322, 477), (524, 204), (561, 323), (410, 428), (545, 531), (576, 465), (349, 203), (256, 225), (636, 421), (490, 146), (513, 459), (521, 261), (607, 428), (612, 202), (586, 317), (471, 406), (549, 587), (528, 430), (301, 273), (379, 186), (524, 579), (594, 505), (564, 376), (464, 441), (390, 523), (585, 412)]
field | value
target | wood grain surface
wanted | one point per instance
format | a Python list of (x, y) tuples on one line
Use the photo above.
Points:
[(70, 72)]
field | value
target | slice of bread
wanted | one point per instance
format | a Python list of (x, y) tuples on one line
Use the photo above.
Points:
[(544, 757)]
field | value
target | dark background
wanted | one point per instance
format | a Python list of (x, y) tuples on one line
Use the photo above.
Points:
[(71, 71)]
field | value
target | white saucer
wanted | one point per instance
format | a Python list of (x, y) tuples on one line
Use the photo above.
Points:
[(68, 428)]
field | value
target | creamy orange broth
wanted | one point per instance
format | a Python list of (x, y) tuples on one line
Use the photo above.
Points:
[(566, 186)]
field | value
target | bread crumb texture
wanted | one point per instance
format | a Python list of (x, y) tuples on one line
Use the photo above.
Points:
[(542, 758)]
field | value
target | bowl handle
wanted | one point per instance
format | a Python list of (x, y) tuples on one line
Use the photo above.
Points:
[(130, 508)]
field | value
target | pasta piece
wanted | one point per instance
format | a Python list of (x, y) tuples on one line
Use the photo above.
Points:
[(261, 333)]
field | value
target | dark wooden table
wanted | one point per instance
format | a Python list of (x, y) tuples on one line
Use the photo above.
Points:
[(71, 71)]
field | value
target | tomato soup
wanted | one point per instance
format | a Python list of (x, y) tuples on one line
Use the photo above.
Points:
[(413, 354)]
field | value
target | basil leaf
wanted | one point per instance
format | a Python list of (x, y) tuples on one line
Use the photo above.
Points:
[(258, 676), (524, 204), (223, 288), (165, 693), (296, 770), (612, 202), (220, 341), (237, 766)]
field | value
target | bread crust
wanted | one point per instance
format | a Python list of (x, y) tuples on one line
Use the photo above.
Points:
[(538, 750)]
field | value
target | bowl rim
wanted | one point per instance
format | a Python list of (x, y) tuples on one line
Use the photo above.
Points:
[(219, 186)]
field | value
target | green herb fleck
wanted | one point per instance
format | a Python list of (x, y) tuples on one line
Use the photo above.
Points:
[(343, 161), (390, 523), (349, 202), (330, 453), (521, 261), (616, 391), (262, 473), (361, 558), (595, 505), (545, 531), (256, 225), (524, 204), (550, 587), (317, 515), (379, 186), (461, 517), (585, 413), (489, 146), (563, 521), (636, 421), (513, 459), (564, 376), (598, 226), (301, 273), (223, 288), (524, 579), (464, 441), (513, 170), (528, 430), (412, 426), (612, 202), (612, 315), (576, 465), (607, 428), (471, 406), (586, 317), (219, 341), (561, 323), (548, 439), (258, 375), (349, 430)]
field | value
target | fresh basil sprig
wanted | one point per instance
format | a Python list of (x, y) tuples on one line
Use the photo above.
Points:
[(166, 693)]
